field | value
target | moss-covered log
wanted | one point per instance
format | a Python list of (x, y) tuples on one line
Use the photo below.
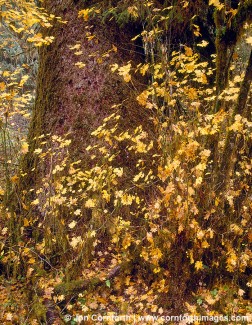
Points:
[(77, 286)]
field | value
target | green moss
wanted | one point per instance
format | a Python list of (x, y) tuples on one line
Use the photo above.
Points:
[(39, 310), (74, 286)]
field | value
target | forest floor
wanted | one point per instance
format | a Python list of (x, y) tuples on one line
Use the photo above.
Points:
[(14, 306)]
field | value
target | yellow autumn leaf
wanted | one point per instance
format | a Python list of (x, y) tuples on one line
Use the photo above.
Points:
[(196, 30), (203, 43), (106, 195), (35, 202), (143, 97), (14, 179), (91, 234), (72, 224), (77, 212), (216, 3), (124, 72), (80, 64), (210, 232), (138, 176), (133, 11), (23, 80), (236, 229), (200, 234), (31, 260), (75, 47), (25, 207), (241, 292), (249, 40), (201, 167), (24, 147), (85, 13), (4, 230), (29, 272), (90, 203), (188, 51), (144, 68), (6, 74), (210, 300), (137, 199), (198, 265), (78, 52), (190, 255), (114, 67), (127, 199), (114, 48), (75, 241), (118, 171), (205, 244), (9, 316), (160, 310), (2, 86), (140, 147), (192, 93), (26, 222), (154, 308), (38, 151), (198, 181)]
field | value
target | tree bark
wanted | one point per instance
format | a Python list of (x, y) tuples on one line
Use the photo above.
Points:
[(73, 99), (76, 100), (231, 151)]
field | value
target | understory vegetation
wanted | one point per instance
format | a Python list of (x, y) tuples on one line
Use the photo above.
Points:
[(152, 214)]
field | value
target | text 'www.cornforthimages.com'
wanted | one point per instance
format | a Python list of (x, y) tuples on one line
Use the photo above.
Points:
[(134, 319)]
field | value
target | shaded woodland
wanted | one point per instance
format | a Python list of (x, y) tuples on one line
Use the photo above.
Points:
[(126, 160)]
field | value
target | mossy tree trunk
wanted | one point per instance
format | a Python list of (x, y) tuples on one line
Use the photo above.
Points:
[(229, 23), (74, 99), (230, 20)]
